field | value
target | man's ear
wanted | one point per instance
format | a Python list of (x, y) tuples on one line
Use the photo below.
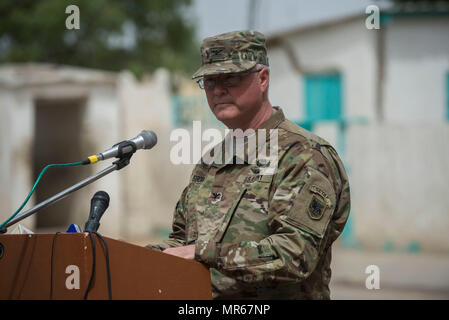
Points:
[(264, 77)]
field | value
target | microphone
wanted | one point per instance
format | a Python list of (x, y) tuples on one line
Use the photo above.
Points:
[(98, 205), (146, 139)]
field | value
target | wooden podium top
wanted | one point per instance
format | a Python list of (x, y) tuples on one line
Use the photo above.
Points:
[(59, 266)]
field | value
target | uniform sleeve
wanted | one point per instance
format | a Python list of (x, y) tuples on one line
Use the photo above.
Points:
[(301, 207), (177, 236)]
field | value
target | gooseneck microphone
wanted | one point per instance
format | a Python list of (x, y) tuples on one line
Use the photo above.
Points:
[(146, 139), (98, 205)]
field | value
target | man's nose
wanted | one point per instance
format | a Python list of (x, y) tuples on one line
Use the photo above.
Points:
[(219, 89)]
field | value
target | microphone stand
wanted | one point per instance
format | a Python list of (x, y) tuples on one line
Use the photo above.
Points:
[(122, 162)]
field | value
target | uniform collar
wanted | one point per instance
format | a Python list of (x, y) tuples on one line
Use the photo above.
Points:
[(275, 120), (233, 155)]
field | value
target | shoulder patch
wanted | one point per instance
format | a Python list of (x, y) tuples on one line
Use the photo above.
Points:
[(314, 205)]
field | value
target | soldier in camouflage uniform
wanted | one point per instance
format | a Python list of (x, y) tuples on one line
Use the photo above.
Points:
[(264, 234)]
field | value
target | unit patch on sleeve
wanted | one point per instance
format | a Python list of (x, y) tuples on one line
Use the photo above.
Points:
[(314, 205), (316, 208)]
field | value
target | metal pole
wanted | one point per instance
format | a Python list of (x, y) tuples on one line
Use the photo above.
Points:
[(63, 194)]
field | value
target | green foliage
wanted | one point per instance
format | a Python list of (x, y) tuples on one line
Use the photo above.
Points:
[(114, 34)]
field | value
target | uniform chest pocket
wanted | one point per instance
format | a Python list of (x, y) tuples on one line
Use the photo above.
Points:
[(256, 196), (250, 220)]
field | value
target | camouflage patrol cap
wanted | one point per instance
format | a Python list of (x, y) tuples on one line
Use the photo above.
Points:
[(231, 52)]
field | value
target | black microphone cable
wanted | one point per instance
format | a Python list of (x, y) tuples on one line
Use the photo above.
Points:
[(108, 271), (99, 204), (51, 263), (92, 275), (92, 238)]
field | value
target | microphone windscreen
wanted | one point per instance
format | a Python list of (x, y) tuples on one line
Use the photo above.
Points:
[(149, 138), (101, 196)]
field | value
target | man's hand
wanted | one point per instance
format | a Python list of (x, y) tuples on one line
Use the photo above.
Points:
[(186, 252)]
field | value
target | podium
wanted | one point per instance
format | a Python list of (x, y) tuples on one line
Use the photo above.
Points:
[(59, 266)]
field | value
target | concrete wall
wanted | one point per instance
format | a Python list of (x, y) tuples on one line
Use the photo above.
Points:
[(102, 128), (16, 139), (399, 183), (151, 184), (417, 63), (399, 167)]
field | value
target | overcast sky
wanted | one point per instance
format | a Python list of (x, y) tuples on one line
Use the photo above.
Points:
[(218, 16)]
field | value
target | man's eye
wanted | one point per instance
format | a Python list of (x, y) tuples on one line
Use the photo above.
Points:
[(232, 79)]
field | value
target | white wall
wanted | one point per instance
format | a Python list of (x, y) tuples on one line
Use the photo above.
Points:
[(17, 122), (399, 185), (102, 128), (153, 183), (417, 62)]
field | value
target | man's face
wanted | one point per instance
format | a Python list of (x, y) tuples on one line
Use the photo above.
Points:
[(236, 98)]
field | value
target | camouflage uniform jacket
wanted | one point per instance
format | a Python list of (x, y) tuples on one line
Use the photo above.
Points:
[(267, 236)]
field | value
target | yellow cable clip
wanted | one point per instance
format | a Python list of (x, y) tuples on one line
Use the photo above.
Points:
[(93, 159)]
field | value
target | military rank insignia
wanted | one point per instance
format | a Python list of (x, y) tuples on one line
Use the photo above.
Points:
[(316, 208), (198, 179)]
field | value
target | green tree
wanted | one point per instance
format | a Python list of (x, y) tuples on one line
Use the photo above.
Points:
[(113, 35)]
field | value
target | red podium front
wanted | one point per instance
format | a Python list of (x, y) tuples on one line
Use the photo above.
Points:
[(49, 266)]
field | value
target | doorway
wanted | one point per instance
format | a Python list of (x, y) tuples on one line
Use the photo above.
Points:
[(58, 128)]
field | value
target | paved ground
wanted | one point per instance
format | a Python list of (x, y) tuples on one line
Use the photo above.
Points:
[(402, 275)]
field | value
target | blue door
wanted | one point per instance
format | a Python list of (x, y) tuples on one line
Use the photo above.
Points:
[(323, 98)]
